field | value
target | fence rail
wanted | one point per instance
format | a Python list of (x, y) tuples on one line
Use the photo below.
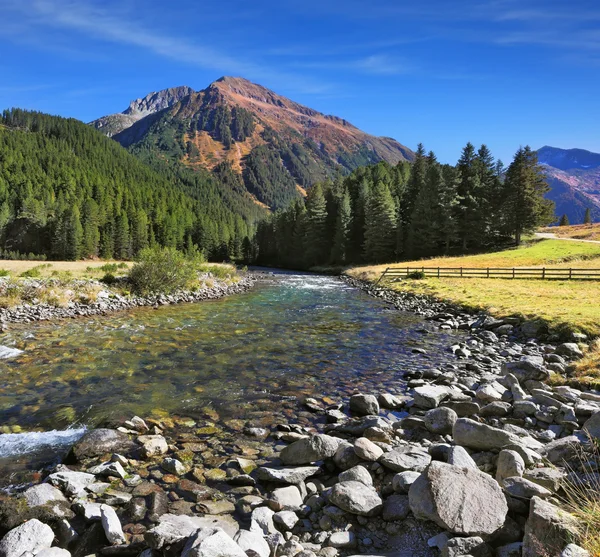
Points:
[(541, 273)]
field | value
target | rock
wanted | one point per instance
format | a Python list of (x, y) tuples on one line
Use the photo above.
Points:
[(387, 400), (367, 450), (342, 540), (173, 529), (569, 349), (310, 449), (345, 457), (460, 547), (53, 552), (573, 550), (402, 481), (252, 541), (551, 477), (440, 420), (592, 426), (527, 368), (430, 396), (211, 542), (41, 494), (216, 507), (72, 483), (562, 450), (462, 500), (510, 463), (262, 521), (286, 519), (112, 525), (364, 405), (396, 507), (108, 469), (548, 529), (474, 435), (458, 456), (32, 536), (497, 408), (285, 499), (356, 498), (406, 458), (289, 475), (356, 474), (153, 445), (102, 441), (173, 466), (524, 489), (510, 550), (488, 393)]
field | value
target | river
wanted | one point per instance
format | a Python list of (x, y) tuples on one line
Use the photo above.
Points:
[(245, 359)]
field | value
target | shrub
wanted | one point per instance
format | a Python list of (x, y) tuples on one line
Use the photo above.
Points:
[(416, 275), (4, 272), (108, 279), (163, 270), (35, 272)]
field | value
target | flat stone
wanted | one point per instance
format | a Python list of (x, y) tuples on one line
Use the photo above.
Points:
[(483, 437), (367, 450), (430, 396), (524, 489), (72, 483), (102, 441), (406, 458), (286, 499), (527, 368), (32, 536), (396, 507), (356, 498), (310, 449), (212, 542), (43, 493), (287, 475), (342, 540)]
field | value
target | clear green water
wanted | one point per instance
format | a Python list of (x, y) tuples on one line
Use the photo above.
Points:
[(243, 356)]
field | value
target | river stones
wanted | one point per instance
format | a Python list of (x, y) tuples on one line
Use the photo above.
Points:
[(310, 449), (43, 493), (72, 483), (102, 441), (153, 445), (364, 405), (526, 369), (440, 420), (430, 396), (112, 525), (406, 458), (33, 536), (288, 475), (172, 529), (356, 498), (462, 500), (367, 450), (211, 542), (510, 463), (356, 474), (252, 541), (474, 435)]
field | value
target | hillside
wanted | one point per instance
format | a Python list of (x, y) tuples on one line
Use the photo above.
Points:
[(67, 191), (279, 147), (574, 178)]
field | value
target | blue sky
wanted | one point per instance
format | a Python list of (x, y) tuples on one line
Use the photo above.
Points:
[(443, 72)]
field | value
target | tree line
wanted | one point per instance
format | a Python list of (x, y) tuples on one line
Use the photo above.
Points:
[(383, 213), (68, 192)]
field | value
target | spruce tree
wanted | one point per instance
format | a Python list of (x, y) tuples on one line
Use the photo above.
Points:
[(564, 221), (317, 243), (424, 220), (469, 207), (339, 251), (526, 208), (380, 225), (587, 219), (73, 234)]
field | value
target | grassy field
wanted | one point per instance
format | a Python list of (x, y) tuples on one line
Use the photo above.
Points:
[(577, 231), (78, 269), (563, 305)]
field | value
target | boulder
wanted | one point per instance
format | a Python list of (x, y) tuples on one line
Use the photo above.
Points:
[(473, 547), (396, 507), (364, 405), (172, 529), (569, 349), (102, 441), (53, 552), (440, 420), (33, 536), (592, 426), (356, 498), (211, 542), (458, 456), (342, 539), (173, 466), (285, 499), (430, 396), (472, 434), (367, 450), (153, 445), (72, 483), (527, 368), (286, 520), (573, 550), (462, 500), (510, 463), (112, 525), (548, 529), (310, 449), (356, 474), (252, 541), (41, 494), (524, 489), (402, 481), (288, 475), (406, 458)]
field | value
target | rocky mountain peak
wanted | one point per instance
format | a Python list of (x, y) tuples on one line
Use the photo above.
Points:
[(156, 101)]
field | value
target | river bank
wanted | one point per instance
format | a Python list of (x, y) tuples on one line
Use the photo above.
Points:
[(470, 457)]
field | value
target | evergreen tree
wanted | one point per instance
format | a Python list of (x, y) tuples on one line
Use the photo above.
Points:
[(91, 231), (73, 235), (564, 221), (470, 208), (424, 224), (317, 243), (525, 207), (587, 219), (122, 237), (339, 251), (380, 225)]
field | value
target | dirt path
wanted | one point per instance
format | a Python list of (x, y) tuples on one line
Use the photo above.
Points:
[(552, 236)]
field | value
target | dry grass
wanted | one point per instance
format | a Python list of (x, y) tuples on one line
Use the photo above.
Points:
[(562, 304), (577, 231), (587, 369), (78, 269)]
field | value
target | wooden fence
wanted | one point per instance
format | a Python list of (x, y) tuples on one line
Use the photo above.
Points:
[(541, 273)]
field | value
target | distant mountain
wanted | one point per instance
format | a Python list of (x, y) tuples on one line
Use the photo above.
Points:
[(574, 178), (278, 147), (140, 108)]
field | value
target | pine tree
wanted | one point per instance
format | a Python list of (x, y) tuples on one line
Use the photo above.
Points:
[(526, 208), (73, 235), (339, 251), (122, 237), (470, 207), (380, 225), (416, 184), (587, 219), (317, 243), (424, 220), (564, 221), (91, 232)]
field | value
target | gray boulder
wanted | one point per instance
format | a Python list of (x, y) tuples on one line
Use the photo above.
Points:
[(592, 426), (462, 500), (356, 474), (310, 449), (402, 481), (112, 525), (570, 350), (102, 441), (32, 536), (364, 405), (211, 542), (43, 493), (430, 396), (356, 498), (510, 463), (406, 458), (458, 456), (524, 489), (253, 541), (289, 475), (440, 420), (286, 499), (172, 529), (460, 547), (472, 434), (396, 507), (527, 368), (367, 450), (573, 550)]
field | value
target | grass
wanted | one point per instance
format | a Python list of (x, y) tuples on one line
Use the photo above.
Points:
[(576, 231), (564, 305), (78, 269)]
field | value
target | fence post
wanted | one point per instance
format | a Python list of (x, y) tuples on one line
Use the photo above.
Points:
[(513, 272), (570, 274), (461, 269), (438, 272), (488, 272), (543, 272)]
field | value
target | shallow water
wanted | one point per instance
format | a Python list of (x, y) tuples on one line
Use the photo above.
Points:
[(242, 356)]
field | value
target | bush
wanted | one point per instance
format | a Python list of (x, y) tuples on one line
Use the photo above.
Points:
[(416, 275), (35, 272), (4, 272), (109, 279), (163, 270)]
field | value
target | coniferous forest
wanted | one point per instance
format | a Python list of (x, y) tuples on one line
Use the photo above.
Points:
[(385, 213)]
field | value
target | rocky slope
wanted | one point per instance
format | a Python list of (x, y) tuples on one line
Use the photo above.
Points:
[(574, 178), (277, 146)]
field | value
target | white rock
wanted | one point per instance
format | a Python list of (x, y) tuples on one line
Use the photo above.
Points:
[(41, 494), (112, 525), (32, 536), (211, 542), (254, 541)]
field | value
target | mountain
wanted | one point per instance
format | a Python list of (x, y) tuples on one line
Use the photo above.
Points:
[(574, 178), (278, 147), (139, 108)]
